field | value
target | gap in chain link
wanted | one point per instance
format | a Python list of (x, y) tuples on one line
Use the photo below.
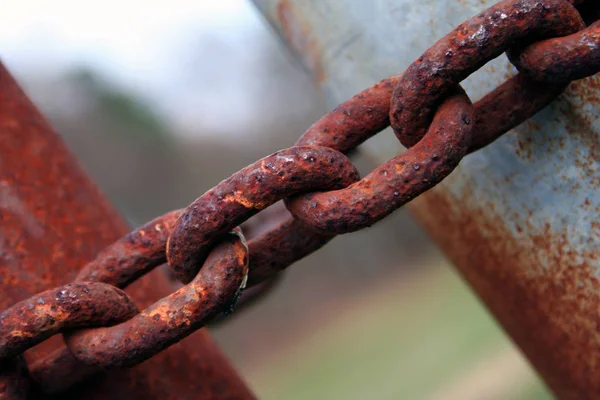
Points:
[(376, 149), (590, 11)]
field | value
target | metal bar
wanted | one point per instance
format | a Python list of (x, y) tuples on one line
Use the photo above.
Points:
[(54, 220), (518, 218)]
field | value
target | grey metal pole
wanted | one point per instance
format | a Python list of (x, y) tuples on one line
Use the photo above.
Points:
[(518, 218)]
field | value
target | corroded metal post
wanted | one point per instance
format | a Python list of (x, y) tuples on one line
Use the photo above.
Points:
[(519, 218), (54, 220)]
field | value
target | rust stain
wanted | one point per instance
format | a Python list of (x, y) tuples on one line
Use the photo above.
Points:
[(544, 293), (297, 33), (238, 197)]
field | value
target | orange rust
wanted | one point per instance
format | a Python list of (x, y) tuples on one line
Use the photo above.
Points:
[(172, 318), (70, 306), (238, 197), (545, 295)]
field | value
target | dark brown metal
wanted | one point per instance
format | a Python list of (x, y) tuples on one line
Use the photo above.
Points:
[(276, 240), (54, 220), (15, 383), (59, 371), (245, 193), (397, 181), (119, 265), (464, 50), (561, 59), (355, 120), (132, 256), (280, 247)]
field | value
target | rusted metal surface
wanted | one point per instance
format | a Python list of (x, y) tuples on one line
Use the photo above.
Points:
[(561, 59), (380, 193), (178, 315), (132, 256), (464, 50), (53, 221), (248, 191), (59, 371), (398, 180), (510, 104), (550, 308), (119, 265), (517, 217), (299, 169), (66, 307)]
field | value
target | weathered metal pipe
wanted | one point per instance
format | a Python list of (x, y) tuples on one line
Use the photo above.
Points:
[(518, 218), (54, 220)]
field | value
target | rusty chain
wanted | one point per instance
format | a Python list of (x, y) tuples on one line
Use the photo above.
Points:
[(548, 42)]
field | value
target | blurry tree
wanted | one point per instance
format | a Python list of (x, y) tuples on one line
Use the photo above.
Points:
[(133, 120)]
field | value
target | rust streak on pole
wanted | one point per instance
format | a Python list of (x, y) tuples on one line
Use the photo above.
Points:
[(54, 220)]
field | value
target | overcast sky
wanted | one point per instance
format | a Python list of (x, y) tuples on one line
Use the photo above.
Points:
[(144, 46)]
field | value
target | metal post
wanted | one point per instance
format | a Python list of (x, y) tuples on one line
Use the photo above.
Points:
[(519, 218), (53, 221)]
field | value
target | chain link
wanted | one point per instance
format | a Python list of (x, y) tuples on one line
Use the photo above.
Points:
[(546, 40)]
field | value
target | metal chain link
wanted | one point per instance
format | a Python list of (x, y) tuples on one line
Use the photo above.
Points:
[(546, 40)]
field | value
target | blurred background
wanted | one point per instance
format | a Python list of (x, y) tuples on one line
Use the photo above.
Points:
[(161, 101)]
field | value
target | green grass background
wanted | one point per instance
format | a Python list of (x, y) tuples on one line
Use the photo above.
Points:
[(411, 339)]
